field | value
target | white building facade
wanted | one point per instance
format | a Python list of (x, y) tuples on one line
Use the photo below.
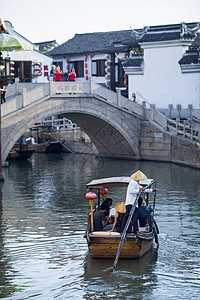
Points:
[(164, 77), (30, 66)]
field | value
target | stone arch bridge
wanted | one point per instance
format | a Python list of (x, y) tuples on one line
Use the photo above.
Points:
[(111, 121), (118, 127)]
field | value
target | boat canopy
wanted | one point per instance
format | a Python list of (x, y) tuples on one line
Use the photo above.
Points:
[(114, 182)]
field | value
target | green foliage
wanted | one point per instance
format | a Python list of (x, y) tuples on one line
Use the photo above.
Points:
[(49, 47)]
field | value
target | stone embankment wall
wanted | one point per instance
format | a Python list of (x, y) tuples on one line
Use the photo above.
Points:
[(154, 145), (160, 146)]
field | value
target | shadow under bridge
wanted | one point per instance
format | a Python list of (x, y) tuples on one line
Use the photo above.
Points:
[(114, 129)]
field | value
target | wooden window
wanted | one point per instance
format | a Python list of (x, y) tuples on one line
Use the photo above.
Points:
[(23, 70), (78, 66), (94, 68), (98, 67)]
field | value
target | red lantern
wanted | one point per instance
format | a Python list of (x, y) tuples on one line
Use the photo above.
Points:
[(86, 77), (86, 65), (67, 60), (85, 58), (90, 196), (86, 71), (103, 191), (107, 63)]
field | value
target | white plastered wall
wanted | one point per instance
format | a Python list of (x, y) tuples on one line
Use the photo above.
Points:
[(163, 82)]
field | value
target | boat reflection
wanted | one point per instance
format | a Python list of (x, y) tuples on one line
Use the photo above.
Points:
[(136, 266), (133, 276)]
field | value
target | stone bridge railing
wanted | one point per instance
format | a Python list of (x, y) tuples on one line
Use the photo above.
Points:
[(174, 127), (69, 89), (73, 89)]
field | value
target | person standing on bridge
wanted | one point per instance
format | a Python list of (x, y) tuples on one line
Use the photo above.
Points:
[(134, 97), (72, 75), (58, 74), (3, 93), (52, 72)]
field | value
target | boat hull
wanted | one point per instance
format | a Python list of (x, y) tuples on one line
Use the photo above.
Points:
[(46, 147), (20, 154), (106, 247)]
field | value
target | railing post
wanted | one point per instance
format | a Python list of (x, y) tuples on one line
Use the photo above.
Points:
[(144, 106), (64, 123), (191, 133), (152, 106), (118, 97), (170, 107), (178, 106), (23, 97), (184, 128), (51, 86), (52, 121), (118, 89), (90, 85), (17, 86), (190, 108), (166, 120), (177, 126)]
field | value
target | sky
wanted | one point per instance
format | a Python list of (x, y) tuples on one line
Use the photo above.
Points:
[(45, 20)]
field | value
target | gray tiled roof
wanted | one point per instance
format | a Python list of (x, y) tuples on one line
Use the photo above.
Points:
[(89, 43), (169, 33), (189, 58), (122, 41), (192, 55), (135, 60)]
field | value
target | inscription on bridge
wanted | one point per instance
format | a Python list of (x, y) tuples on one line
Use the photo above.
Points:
[(69, 87)]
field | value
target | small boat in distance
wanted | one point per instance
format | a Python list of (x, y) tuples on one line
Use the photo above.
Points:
[(46, 147), (45, 143), (104, 244), (20, 154)]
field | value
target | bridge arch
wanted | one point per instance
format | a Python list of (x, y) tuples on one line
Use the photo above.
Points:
[(114, 131)]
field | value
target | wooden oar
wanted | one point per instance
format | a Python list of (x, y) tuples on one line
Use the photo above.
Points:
[(127, 225)]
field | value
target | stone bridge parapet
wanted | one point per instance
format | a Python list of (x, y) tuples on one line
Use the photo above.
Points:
[(113, 122)]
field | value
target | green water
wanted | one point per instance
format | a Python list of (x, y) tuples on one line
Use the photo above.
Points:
[(43, 254)]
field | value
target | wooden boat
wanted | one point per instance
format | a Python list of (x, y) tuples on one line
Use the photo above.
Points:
[(46, 147), (20, 154), (45, 142), (105, 244)]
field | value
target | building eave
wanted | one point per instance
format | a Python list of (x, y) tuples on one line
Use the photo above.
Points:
[(192, 68), (158, 44), (134, 70)]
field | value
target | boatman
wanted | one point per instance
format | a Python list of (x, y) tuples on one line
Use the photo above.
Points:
[(131, 195)]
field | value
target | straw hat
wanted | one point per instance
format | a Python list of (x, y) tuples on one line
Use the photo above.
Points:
[(120, 207), (138, 176)]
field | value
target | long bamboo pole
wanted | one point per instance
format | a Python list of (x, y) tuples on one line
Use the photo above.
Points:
[(1, 173), (127, 224)]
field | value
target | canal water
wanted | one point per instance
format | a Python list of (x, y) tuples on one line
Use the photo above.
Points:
[(43, 254)]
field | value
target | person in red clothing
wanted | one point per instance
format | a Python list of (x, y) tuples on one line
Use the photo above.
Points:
[(72, 75), (58, 74)]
